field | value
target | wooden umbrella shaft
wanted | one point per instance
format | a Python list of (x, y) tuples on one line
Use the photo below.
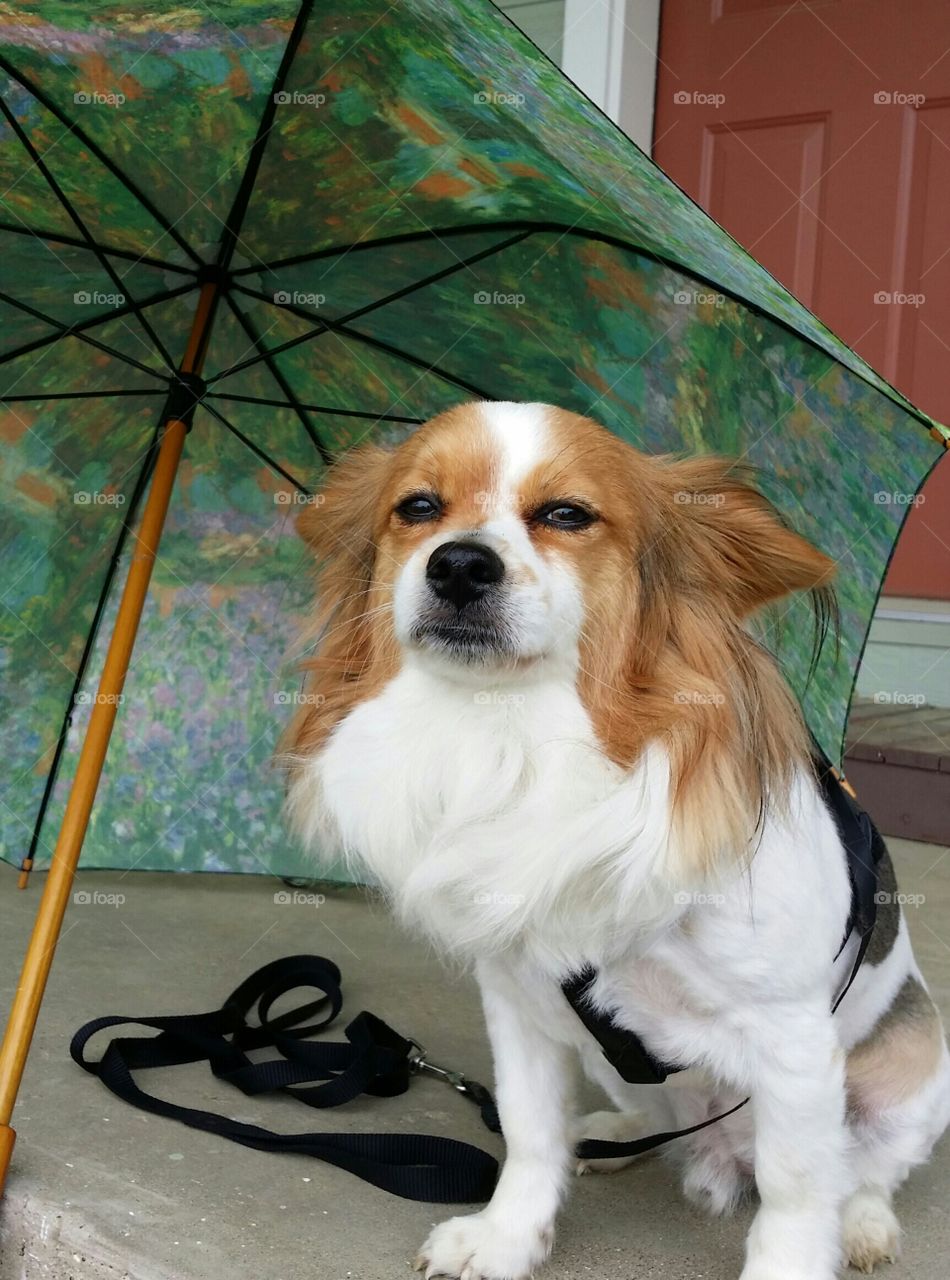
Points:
[(59, 881)]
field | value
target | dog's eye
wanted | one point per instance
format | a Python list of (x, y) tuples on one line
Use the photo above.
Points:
[(419, 507), (564, 515)]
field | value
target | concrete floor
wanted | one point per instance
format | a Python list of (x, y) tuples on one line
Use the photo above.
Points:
[(101, 1191)]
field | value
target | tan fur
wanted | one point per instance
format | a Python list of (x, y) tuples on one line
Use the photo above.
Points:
[(897, 1058), (683, 552)]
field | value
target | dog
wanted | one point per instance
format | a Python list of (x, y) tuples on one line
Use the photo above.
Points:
[(540, 722)]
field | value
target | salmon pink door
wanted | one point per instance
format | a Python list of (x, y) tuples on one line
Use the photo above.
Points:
[(818, 134)]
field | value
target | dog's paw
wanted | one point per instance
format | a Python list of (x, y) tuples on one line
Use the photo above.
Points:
[(608, 1126), (871, 1231), (477, 1247)]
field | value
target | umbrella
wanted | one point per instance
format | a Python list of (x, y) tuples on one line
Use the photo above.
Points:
[(236, 242)]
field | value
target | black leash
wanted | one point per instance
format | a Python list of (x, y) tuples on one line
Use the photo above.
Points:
[(376, 1060)]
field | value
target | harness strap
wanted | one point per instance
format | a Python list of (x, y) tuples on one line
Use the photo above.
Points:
[(376, 1060), (624, 1049)]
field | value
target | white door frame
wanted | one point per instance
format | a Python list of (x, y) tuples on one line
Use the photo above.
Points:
[(610, 52)]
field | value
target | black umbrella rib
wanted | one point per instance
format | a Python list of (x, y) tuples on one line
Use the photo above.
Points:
[(67, 204), (102, 156), (275, 372), (340, 327), (328, 409), (601, 237), (74, 242), (434, 276), (255, 449), (402, 237), (107, 394), (79, 330), (242, 197), (416, 361), (128, 520), (460, 265)]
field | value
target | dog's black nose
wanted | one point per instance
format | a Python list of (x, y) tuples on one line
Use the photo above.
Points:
[(460, 572)]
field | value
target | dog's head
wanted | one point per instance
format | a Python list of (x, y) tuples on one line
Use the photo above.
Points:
[(502, 539)]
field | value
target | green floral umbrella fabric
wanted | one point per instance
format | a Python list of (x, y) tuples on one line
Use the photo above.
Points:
[(404, 207)]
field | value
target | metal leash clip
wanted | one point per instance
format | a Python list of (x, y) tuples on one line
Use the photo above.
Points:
[(419, 1063)]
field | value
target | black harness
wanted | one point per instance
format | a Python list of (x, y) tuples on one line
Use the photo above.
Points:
[(624, 1049)]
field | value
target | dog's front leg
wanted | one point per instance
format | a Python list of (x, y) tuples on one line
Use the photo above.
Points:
[(513, 1234), (798, 1100)]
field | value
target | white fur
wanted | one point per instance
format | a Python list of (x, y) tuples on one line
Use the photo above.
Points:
[(481, 803)]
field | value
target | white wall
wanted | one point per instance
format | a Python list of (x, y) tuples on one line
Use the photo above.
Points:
[(607, 47), (541, 20)]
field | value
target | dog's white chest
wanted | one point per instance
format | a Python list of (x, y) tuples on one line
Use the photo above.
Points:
[(490, 815), (427, 759)]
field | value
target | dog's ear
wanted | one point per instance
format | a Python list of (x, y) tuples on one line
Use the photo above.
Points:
[(726, 539), (339, 525)]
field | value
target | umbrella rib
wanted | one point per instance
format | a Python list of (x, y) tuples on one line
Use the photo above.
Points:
[(401, 237), (317, 408), (460, 265), (93, 147), (77, 395), (67, 204), (416, 361), (38, 233), (255, 449), (79, 330), (112, 568), (580, 232), (276, 373), (242, 197), (340, 327)]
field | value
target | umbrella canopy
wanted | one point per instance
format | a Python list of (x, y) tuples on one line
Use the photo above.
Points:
[(396, 208)]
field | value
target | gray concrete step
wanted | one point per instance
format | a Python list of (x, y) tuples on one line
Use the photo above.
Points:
[(101, 1191)]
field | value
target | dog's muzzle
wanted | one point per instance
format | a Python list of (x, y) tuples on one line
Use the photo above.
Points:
[(463, 611)]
